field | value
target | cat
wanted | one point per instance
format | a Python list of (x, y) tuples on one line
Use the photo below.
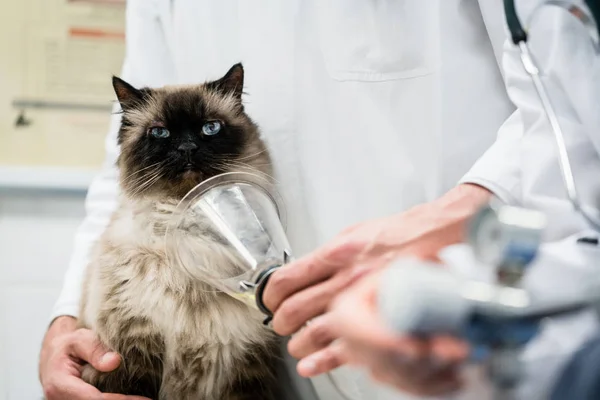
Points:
[(179, 339)]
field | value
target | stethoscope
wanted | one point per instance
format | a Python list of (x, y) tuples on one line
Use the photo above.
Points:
[(588, 17)]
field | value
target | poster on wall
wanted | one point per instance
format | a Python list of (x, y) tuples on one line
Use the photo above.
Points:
[(58, 57)]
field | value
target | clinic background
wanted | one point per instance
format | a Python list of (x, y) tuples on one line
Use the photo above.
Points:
[(56, 62)]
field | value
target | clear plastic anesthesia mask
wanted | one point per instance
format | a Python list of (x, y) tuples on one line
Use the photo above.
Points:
[(240, 218)]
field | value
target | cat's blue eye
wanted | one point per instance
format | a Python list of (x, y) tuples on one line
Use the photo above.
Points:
[(159, 132), (211, 128)]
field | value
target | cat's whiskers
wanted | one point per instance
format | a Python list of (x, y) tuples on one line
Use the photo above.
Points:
[(249, 166), (226, 165), (140, 179), (149, 182), (251, 156), (143, 169), (150, 177)]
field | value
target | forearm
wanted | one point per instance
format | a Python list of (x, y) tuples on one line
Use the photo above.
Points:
[(443, 221)]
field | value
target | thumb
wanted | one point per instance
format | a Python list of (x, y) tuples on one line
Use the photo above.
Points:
[(85, 345), (108, 362)]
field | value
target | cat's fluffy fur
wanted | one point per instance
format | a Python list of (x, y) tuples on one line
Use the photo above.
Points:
[(178, 338)]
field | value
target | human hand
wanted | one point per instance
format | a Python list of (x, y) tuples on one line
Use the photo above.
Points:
[(423, 367), (302, 290), (64, 353)]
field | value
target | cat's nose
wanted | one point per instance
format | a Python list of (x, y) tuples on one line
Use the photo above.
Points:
[(187, 147)]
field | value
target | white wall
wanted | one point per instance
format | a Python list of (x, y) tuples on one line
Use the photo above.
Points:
[(36, 235)]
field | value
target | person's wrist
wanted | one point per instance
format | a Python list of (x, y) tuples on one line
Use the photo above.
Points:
[(445, 219), (62, 324), (463, 200)]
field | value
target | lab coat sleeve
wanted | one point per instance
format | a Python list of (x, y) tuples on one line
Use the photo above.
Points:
[(147, 63), (529, 169), (498, 169)]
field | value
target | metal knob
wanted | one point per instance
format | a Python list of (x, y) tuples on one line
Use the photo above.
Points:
[(506, 237)]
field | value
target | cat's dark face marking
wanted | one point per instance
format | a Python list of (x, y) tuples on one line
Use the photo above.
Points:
[(173, 138)]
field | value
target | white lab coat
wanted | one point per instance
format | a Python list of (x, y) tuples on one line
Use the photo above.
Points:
[(368, 107)]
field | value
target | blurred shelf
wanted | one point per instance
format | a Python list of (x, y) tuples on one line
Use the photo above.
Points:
[(46, 178)]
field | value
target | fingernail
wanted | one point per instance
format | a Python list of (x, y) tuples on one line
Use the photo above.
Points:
[(108, 357), (307, 366)]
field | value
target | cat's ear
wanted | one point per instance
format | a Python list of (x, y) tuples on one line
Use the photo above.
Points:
[(233, 81), (127, 95)]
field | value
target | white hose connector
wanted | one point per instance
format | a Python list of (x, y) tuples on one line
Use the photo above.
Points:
[(422, 298)]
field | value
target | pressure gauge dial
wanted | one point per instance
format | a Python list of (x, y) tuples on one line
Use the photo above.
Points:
[(506, 237)]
